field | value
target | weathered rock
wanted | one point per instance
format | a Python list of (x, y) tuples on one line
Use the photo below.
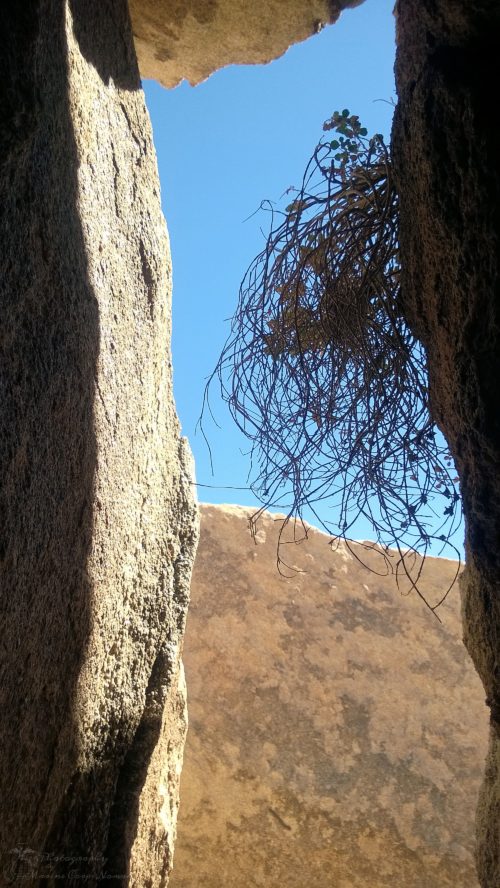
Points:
[(98, 524), (446, 146), (337, 730), (98, 527), (191, 39)]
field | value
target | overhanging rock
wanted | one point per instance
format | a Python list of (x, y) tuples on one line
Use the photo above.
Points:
[(191, 39)]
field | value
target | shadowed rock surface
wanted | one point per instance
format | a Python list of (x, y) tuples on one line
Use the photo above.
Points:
[(446, 148), (98, 525), (337, 731)]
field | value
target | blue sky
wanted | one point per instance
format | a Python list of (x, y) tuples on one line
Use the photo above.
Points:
[(242, 136)]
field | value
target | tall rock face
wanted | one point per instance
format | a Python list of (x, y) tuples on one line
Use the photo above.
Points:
[(98, 525), (446, 146), (337, 730)]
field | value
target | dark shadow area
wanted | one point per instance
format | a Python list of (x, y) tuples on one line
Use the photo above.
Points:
[(124, 818), (446, 145), (48, 351), (103, 31), (54, 821)]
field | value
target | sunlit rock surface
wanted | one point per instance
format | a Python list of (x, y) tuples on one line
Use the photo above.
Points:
[(337, 730), (189, 40), (97, 520)]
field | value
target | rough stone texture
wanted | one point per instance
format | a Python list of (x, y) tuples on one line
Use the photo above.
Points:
[(446, 145), (189, 39), (97, 520), (337, 731), (98, 526)]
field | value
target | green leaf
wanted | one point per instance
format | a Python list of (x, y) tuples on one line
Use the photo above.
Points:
[(363, 131), (345, 112), (334, 144)]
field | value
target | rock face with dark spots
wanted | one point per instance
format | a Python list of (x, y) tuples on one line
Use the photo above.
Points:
[(191, 39), (337, 730)]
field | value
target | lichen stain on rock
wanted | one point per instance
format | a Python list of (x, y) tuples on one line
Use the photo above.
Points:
[(337, 731)]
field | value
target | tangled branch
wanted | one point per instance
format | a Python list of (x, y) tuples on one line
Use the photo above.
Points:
[(321, 371)]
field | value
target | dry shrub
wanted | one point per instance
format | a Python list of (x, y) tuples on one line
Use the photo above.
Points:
[(321, 371)]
